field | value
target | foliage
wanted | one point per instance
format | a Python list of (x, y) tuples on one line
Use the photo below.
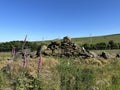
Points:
[(67, 74), (7, 46), (102, 46), (113, 45), (91, 43), (74, 77)]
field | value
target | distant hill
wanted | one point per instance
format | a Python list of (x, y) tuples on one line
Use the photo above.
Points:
[(97, 39), (7, 46), (93, 40)]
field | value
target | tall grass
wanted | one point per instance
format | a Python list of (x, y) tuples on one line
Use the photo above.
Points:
[(62, 74), (1, 80), (89, 77)]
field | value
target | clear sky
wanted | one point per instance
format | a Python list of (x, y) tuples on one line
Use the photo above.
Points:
[(50, 19)]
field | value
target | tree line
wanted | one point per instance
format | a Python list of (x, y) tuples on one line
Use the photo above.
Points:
[(8, 46), (102, 46)]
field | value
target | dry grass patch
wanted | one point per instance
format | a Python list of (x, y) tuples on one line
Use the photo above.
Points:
[(16, 67)]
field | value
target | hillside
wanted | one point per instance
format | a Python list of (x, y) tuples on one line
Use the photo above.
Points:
[(91, 40), (97, 39), (7, 46)]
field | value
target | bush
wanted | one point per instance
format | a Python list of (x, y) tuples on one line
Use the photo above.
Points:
[(5, 47), (101, 46)]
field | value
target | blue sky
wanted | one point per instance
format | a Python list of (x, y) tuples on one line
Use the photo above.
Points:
[(50, 19)]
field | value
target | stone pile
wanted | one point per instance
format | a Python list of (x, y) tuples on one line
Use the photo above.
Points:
[(53, 48), (64, 48), (69, 48)]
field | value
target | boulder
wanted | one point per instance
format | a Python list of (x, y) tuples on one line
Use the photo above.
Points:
[(66, 39), (43, 48), (104, 55), (118, 55), (93, 54), (20, 54), (47, 52)]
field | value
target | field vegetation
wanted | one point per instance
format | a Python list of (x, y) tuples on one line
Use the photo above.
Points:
[(98, 39), (107, 42), (61, 73)]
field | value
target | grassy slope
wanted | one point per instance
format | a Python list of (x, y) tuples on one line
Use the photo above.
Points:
[(93, 40), (97, 39)]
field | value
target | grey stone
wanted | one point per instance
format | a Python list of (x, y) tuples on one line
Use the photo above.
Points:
[(104, 55), (118, 55)]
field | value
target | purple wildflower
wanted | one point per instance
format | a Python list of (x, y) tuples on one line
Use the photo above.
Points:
[(24, 41), (24, 60), (13, 51)]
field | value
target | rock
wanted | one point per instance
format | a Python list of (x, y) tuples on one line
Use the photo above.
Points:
[(66, 39), (56, 41), (17, 56), (118, 55), (87, 54), (93, 54), (104, 55), (43, 48), (27, 51), (20, 54), (32, 55), (48, 52)]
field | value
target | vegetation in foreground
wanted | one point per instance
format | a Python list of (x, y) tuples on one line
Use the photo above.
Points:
[(60, 74)]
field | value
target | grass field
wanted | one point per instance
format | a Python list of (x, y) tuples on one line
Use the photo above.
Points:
[(91, 40), (98, 39), (60, 74)]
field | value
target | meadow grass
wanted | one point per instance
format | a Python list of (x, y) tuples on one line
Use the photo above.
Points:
[(61, 74)]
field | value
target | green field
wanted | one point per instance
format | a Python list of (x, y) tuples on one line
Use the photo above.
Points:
[(98, 39), (91, 40), (60, 74)]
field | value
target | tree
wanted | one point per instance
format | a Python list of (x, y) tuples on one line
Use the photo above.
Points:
[(86, 46), (101, 46), (113, 45)]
